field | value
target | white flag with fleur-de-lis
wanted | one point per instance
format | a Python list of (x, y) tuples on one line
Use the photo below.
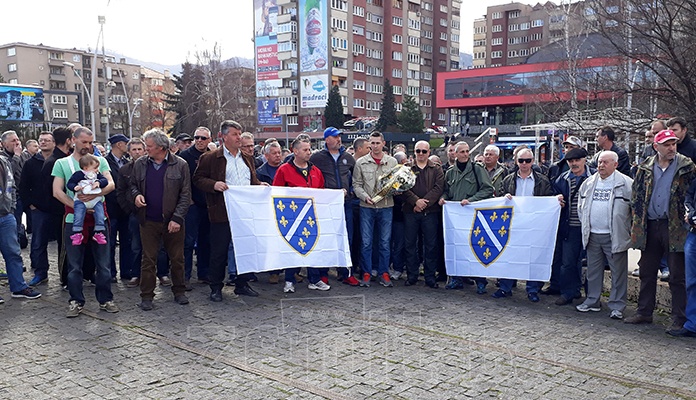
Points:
[(282, 227)]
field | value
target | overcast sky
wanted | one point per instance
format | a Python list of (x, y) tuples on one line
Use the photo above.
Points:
[(164, 32)]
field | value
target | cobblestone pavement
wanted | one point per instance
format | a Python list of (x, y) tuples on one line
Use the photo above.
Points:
[(347, 343)]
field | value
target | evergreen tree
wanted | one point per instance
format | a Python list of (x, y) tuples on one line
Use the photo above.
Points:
[(333, 112), (387, 116), (188, 100), (411, 117)]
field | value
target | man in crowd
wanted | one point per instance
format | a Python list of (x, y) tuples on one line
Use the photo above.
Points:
[(605, 137), (273, 154), (136, 149), (374, 216), (689, 328), (686, 146), (197, 222), (217, 171), (466, 182), (361, 147), (336, 166), (524, 182), (604, 210), (32, 190), (659, 191), (11, 149), (9, 244), (451, 156), (248, 148), (161, 191), (62, 171), (31, 148), (118, 219), (183, 142), (300, 172), (397, 253), (421, 211), (496, 170), (561, 166), (567, 186)]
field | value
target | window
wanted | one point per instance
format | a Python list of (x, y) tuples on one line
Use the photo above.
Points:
[(373, 71), (397, 90), (537, 36), (455, 24), (427, 48), (396, 38), (358, 30), (412, 74), (59, 99), (443, 50), (414, 41), (11, 51), (358, 85), (518, 40), (12, 67), (377, 19), (455, 38), (496, 54), (78, 87), (339, 5), (513, 14), (479, 55), (55, 55), (336, 43), (56, 70), (428, 76), (524, 26), (374, 36), (292, 119), (339, 24), (443, 22), (496, 28), (57, 85), (414, 58), (496, 41), (358, 67), (60, 113), (358, 103), (397, 107), (427, 20), (358, 48), (497, 15), (359, 11), (412, 90), (513, 53), (427, 34), (441, 117), (397, 73), (13, 81), (524, 52), (427, 6), (374, 88), (443, 35), (426, 89), (398, 21), (397, 55), (414, 24), (425, 103), (537, 23), (443, 8), (482, 29), (534, 49), (374, 53), (513, 27)]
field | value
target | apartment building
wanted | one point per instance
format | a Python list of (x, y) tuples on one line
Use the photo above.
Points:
[(66, 94), (305, 47)]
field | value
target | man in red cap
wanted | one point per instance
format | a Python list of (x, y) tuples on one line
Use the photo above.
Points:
[(658, 211)]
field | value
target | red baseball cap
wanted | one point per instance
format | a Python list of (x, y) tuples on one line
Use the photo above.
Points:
[(665, 135)]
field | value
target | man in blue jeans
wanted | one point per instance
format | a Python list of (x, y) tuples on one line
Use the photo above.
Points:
[(62, 170), (9, 244), (689, 328), (374, 215)]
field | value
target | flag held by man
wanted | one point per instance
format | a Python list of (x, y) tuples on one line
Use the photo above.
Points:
[(501, 238), (282, 227)]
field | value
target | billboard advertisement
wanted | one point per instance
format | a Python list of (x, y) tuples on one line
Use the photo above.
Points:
[(314, 28), (267, 110), (314, 92), (266, 46), (21, 103)]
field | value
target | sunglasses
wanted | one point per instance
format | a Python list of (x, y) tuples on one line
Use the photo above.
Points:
[(201, 137), (421, 151), (524, 160)]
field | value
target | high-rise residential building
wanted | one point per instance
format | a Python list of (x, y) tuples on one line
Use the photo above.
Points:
[(56, 71), (304, 47)]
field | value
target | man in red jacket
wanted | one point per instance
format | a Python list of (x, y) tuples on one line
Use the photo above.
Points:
[(299, 172)]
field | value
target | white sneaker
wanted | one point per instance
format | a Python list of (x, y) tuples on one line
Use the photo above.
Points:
[(319, 286), (664, 277), (395, 275), (616, 314), (586, 307), (289, 287), (374, 273), (636, 272)]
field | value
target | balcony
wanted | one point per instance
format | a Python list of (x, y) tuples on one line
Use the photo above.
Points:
[(287, 92), (342, 72), (286, 2), (286, 73), (287, 55), (285, 18), (287, 36)]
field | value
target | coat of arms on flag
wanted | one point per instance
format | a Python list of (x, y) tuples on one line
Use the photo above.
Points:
[(297, 222), (490, 233)]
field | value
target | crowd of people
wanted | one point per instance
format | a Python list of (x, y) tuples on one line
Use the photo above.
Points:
[(160, 201)]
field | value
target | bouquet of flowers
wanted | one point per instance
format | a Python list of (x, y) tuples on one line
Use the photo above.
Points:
[(398, 180)]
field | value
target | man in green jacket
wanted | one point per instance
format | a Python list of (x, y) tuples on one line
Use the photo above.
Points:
[(659, 191), (466, 182)]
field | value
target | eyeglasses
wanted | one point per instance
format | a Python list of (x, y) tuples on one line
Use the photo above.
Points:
[(421, 151), (525, 160), (201, 137)]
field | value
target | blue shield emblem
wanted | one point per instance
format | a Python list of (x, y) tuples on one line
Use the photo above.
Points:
[(297, 222), (490, 233)]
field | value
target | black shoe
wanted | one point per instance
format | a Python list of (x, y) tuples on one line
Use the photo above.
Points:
[(441, 278), (562, 301), (468, 281), (432, 285), (253, 278), (410, 282), (246, 290), (230, 281), (550, 292), (216, 295), (181, 299), (145, 305), (683, 332)]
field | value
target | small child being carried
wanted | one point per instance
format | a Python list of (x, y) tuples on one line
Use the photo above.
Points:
[(88, 181)]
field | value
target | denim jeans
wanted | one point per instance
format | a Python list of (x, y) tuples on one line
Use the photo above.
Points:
[(424, 225), (121, 227), (39, 242), (9, 247), (79, 213), (571, 269), (74, 259), (370, 220), (198, 238), (136, 246), (397, 246), (690, 255), (507, 284)]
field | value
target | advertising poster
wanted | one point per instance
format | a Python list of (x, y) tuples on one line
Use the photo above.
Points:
[(19, 103), (314, 91), (267, 110), (314, 28), (266, 43)]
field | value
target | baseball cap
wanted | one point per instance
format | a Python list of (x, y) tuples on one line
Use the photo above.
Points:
[(118, 138), (574, 140), (184, 137), (665, 135), (575, 154), (331, 131)]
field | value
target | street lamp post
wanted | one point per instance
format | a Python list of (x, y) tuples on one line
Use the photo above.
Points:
[(131, 113), (89, 94)]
